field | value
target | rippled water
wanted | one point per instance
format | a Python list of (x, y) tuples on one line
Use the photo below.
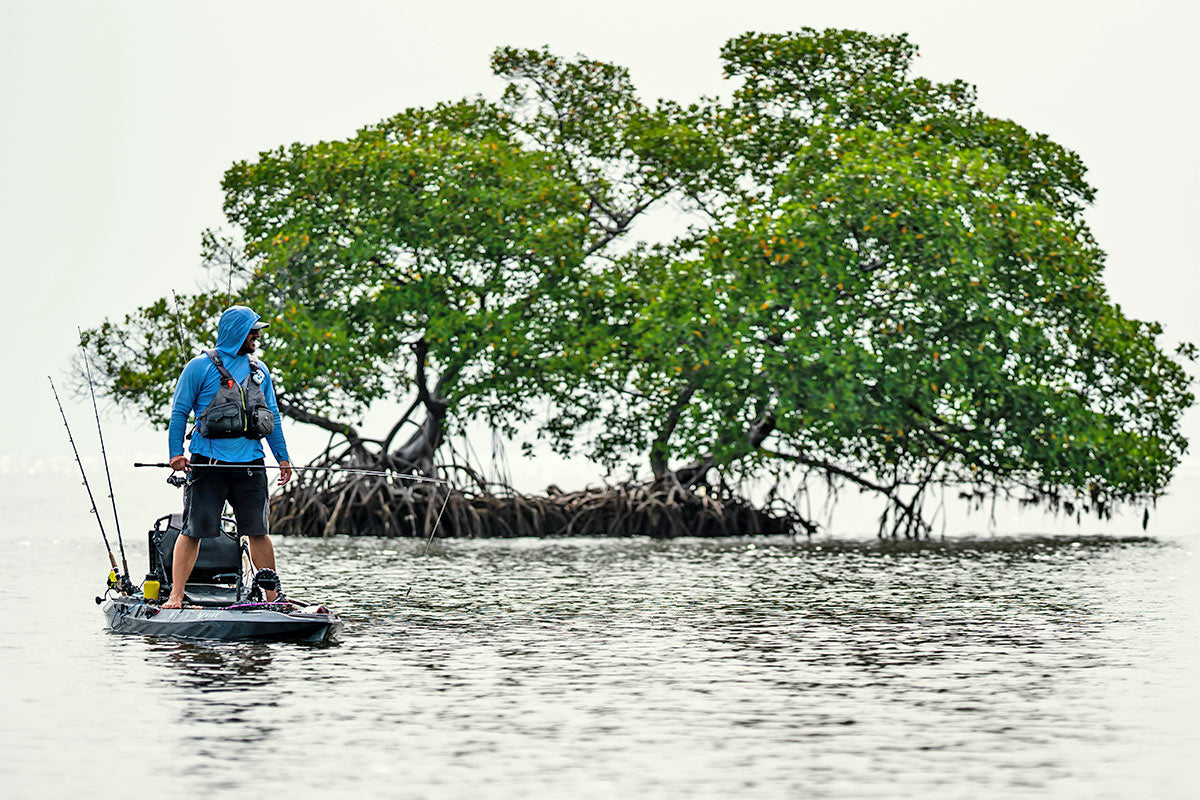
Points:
[(601, 668)]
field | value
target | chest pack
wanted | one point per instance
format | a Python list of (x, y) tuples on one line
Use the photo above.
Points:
[(237, 410)]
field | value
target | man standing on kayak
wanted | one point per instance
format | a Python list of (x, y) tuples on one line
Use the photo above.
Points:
[(234, 402)]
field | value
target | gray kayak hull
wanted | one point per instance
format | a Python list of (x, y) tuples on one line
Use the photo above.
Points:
[(133, 615)]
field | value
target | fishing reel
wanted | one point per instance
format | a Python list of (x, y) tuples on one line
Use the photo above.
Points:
[(120, 583), (177, 480)]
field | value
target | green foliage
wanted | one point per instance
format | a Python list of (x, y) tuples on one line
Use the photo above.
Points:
[(140, 356), (873, 281), (410, 233), (894, 287), (437, 252)]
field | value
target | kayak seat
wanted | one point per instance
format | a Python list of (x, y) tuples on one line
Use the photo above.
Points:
[(218, 562)]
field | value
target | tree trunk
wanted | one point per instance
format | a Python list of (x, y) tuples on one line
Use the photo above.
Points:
[(416, 453)]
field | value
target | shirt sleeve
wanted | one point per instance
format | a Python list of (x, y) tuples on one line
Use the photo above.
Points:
[(275, 440), (182, 406)]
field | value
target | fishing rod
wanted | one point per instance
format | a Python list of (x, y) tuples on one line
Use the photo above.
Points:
[(346, 470), (111, 559), (179, 323), (104, 455)]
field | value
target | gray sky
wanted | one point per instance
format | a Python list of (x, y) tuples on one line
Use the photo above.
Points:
[(117, 120)]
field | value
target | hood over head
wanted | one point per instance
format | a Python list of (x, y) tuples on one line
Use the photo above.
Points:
[(236, 323)]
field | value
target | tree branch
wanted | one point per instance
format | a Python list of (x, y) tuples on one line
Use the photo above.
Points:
[(658, 450), (325, 423)]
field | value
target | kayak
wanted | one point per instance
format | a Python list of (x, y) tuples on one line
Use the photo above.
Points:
[(287, 621), (221, 601)]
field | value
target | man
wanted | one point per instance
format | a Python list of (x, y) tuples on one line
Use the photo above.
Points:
[(234, 402)]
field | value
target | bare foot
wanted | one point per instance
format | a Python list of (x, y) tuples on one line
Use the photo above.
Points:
[(173, 602)]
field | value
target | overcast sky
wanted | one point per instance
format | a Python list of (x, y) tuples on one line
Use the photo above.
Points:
[(117, 120)]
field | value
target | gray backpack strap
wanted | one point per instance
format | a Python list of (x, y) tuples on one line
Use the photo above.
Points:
[(216, 362)]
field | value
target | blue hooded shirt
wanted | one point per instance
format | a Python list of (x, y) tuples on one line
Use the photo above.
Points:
[(198, 385)]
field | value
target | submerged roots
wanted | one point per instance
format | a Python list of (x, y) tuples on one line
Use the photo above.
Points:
[(373, 506)]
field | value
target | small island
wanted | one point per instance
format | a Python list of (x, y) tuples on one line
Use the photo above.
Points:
[(841, 275)]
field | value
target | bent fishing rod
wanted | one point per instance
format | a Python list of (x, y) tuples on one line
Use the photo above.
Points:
[(104, 455), (127, 584), (346, 470)]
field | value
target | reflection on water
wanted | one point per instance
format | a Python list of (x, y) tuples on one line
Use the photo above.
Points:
[(226, 685), (1036, 667), (209, 666)]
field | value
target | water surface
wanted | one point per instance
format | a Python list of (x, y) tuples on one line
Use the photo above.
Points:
[(1051, 667)]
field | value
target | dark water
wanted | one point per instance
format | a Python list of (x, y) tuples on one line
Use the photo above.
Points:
[(985, 668)]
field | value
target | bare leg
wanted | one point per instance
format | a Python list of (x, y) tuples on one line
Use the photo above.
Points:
[(182, 560), (262, 553)]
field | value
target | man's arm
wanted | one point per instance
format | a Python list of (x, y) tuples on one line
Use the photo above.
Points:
[(182, 405), (275, 440)]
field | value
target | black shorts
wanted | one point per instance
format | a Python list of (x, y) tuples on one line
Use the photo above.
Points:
[(243, 484)]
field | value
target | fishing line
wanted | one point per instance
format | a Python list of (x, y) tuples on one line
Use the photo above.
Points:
[(111, 559), (104, 454), (429, 541)]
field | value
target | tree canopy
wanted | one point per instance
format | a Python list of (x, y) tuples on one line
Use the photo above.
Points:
[(863, 279)]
